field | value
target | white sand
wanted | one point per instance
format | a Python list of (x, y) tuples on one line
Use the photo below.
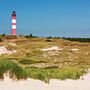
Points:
[(12, 44), (56, 48), (74, 49), (3, 50), (31, 84)]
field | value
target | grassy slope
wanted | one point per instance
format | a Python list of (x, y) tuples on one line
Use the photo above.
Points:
[(51, 64)]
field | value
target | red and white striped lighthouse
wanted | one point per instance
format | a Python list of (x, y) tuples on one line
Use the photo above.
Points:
[(14, 23)]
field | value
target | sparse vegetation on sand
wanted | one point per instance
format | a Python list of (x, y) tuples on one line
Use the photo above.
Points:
[(68, 60)]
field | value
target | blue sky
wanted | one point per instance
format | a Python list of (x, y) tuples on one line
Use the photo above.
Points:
[(69, 18)]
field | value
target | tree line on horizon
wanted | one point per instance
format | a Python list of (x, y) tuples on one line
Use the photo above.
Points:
[(50, 37)]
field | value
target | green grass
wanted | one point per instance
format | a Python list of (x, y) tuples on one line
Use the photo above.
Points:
[(15, 71), (64, 73)]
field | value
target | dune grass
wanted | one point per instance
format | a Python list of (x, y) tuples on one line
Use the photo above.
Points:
[(45, 74), (15, 71), (64, 73)]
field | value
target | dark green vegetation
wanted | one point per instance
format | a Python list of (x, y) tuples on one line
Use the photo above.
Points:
[(1, 38), (25, 61), (78, 39), (31, 36), (71, 62), (71, 39)]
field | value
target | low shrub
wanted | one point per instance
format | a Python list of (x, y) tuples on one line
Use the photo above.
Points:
[(51, 67), (48, 40), (26, 61)]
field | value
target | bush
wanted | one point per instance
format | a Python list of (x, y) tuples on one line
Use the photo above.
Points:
[(31, 36), (0, 40), (48, 40), (26, 61)]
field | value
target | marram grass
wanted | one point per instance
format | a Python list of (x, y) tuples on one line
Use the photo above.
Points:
[(62, 74), (15, 71)]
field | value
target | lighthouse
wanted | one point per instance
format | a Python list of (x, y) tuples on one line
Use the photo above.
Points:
[(14, 23)]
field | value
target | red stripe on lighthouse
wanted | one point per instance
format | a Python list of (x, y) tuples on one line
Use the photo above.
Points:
[(13, 23), (13, 17), (14, 32)]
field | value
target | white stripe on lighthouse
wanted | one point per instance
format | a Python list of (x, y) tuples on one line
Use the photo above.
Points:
[(13, 20), (13, 26)]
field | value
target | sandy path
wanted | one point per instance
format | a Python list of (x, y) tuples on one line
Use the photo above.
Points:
[(31, 84)]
